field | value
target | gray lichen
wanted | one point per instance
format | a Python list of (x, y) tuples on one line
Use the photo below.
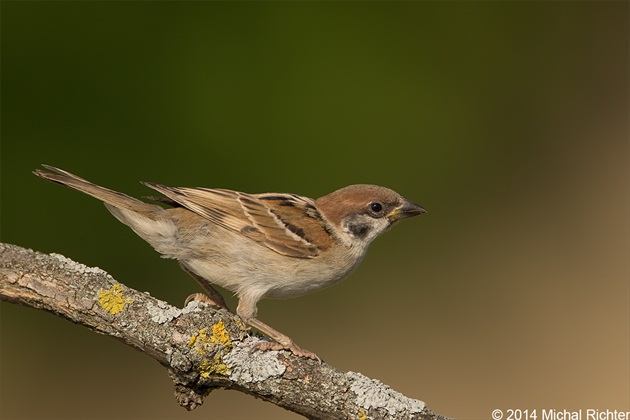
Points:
[(374, 394), (193, 306), (256, 366), (78, 267), (162, 312)]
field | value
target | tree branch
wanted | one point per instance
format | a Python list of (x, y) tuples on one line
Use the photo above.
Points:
[(201, 347)]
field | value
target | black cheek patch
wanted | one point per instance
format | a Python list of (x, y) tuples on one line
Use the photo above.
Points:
[(359, 230)]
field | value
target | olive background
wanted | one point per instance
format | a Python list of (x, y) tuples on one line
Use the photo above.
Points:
[(507, 121)]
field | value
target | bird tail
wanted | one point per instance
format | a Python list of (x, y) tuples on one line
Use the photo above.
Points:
[(109, 197)]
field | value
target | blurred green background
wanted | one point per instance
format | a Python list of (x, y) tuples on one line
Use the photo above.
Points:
[(507, 121)]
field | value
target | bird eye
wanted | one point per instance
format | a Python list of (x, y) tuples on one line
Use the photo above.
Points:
[(376, 207)]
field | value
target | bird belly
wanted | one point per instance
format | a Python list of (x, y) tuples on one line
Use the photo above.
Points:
[(271, 274)]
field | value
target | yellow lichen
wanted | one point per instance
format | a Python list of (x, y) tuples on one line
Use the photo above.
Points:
[(220, 335), (113, 300), (200, 340), (205, 368), (362, 415), (242, 324), (216, 366)]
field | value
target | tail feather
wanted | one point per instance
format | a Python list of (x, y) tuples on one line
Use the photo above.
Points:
[(111, 197)]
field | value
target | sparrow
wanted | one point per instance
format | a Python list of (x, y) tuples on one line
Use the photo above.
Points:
[(270, 245)]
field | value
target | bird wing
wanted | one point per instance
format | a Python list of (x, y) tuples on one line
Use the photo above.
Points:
[(285, 223)]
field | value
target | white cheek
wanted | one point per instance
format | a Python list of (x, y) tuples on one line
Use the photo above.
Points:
[(363, 229)]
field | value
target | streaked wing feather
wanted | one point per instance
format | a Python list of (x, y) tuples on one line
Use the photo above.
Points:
[(299, 219), (269, 219)]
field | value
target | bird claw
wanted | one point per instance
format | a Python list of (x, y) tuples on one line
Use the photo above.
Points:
[(201, 297), (292, 347)]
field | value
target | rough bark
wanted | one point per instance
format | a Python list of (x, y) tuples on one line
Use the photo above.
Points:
[(201, 347)]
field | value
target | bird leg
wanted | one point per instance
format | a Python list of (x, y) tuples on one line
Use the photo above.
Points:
[(211, 296), (282, 342), (247, 312)]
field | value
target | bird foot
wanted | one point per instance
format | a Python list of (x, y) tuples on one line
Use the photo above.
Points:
[(291, 346), (201, 297)]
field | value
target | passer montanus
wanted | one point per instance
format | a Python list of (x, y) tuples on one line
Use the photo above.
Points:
[(256, 245)]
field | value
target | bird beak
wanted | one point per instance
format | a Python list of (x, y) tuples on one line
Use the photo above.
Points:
[(407, 209)]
